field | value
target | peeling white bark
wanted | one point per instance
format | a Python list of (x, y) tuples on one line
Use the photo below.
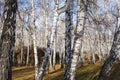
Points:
[(34, 41), (73, 54)]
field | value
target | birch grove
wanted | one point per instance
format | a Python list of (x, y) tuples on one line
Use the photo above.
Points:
[(59, 36)]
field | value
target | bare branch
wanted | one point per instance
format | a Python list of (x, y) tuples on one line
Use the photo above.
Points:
[(64, 8)]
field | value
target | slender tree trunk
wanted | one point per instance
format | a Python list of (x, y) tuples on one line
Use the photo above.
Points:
[(93, 57), (21, 53), (34, 42), (50, 59), (100, 47), (89, 52), (41, 40), (36, 56), (28, 51), (61, 55), (7, 39), (81, 58), (46, 30), (22, 45), (54, 54), (30, 42)]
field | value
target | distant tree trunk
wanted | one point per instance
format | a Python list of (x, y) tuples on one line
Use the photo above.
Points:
[(30, 41), (93, 56), (100, 47), (50, 60), (54, 54), (54, 49), (7, 39), (22, 45), (28, 52), (90, 50), (46, 30), (93, 50), (108, 64), (93, 53), (81, 58), (61, 55), (41, 40)]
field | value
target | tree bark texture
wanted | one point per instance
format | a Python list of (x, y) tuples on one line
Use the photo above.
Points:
[(7, 39), (73, 54), (34, 41)]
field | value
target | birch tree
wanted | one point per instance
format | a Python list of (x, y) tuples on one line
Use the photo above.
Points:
[(108, 64), (68, 37), (22, 42), (29, 41), (73, 52), (34, 40), (7, 39), (57, 12)]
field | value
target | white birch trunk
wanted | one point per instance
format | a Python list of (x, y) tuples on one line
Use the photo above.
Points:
[(46, 23), (93, 56), (49, 44), (61, 55), (54, 54), (46, 30), (22, 42), (28, 51), (76, 53), (34, 41), (22, 45), (73, 58), (41, 40), (21, 62)]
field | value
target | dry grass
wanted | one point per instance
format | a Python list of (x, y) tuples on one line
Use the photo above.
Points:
[(87, 72), (23, 73)]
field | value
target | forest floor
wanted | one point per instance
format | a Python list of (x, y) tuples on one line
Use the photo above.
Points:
[(87, 72)]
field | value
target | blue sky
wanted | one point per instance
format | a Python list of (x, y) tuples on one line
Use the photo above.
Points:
[(111, 5)]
